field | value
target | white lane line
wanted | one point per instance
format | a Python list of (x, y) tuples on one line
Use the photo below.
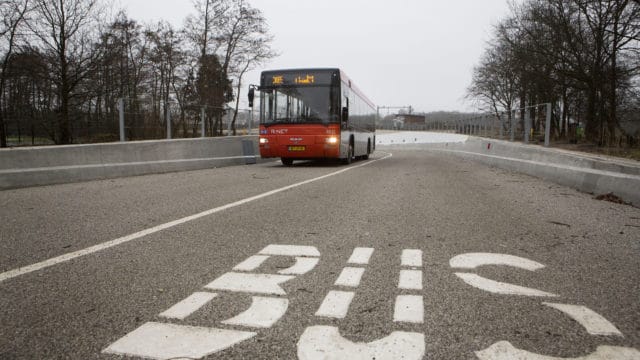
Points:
[(410, 280), (350, 277), (409, 308), (169, 341), (325, 342), (497, 287), (189, 305), (302, 266), (290, 250), (360, 256), (411, 257), (252, 263), (503, 350), (251, 283), (263, 313), (335, 304), (593, 322), (474, 260), (109, 244)]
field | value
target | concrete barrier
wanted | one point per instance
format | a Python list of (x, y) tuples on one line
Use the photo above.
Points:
[(23, 167), (585, 172)]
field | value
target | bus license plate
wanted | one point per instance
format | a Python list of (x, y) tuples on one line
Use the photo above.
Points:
[(297, 148)]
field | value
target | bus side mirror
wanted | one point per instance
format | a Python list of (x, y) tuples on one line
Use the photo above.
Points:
[(345, 114), (251, 96)]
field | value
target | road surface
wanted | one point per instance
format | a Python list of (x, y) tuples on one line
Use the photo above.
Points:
[(407, 255)]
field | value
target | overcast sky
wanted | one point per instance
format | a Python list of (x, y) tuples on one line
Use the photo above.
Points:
[(404, 52)]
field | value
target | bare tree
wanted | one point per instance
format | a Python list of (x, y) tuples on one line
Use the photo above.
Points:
[(252, 50), (579, 54), (201, 28), (495, 81), (13, 14), (66, 30)]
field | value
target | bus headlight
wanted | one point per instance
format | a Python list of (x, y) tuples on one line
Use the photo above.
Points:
[(264, 141), (332, 140)]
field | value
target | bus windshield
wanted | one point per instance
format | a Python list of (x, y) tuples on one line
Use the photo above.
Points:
[(296, 105)]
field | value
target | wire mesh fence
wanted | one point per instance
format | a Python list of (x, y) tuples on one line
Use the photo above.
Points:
[(125, 120), (531, 124)]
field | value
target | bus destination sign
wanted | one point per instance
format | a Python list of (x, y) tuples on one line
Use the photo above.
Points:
[(301, 78)]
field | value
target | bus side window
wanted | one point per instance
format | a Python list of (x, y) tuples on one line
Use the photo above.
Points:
[(345, 111)]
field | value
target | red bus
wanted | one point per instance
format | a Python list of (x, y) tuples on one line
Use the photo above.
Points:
[(308, 114)]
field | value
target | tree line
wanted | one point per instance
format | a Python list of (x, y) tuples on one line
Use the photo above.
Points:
[(66, 63), (583, 56)]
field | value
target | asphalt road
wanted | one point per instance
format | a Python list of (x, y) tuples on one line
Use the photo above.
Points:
[(108, 302)]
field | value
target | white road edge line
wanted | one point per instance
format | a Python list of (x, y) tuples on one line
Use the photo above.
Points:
[(121, 240)]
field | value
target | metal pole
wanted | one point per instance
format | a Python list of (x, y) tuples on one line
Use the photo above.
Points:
[(202, 120), (167, 109), (484, 126), (513, 130), (547, 127), (527, 125), (121, 118)]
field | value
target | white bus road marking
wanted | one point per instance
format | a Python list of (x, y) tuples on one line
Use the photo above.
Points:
[(411, 258), (409, 308), (263, 313), (172, 341), (251, 263), (335, 304), (189, 305), (290, 250), (169, 341), (360, 256), (474, 260), (592, 322), (325, 342), (497, 287), (350, 277), (503, 350), (410, 280), (121, 240), (251, 283), (302, 266)]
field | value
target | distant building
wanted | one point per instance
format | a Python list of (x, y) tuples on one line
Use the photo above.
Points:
[(410, 119)]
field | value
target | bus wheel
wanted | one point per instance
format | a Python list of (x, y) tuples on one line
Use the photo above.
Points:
[(287, 161), (366, 157), (349, 157)]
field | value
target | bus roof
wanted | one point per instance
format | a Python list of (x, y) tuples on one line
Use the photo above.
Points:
[(343, 77)]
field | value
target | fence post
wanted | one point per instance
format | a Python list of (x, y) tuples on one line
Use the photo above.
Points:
[(527, 125), (547, 126), (167, 109), (121, 118), (501, 130), (512, 127), (202, 120), (485, 126)]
